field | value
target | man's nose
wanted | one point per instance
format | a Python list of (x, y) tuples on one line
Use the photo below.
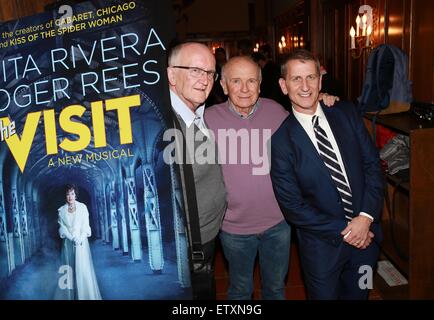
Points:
[(304, 85), (244, 87)]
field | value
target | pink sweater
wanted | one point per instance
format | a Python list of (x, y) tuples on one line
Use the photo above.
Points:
[(252, 206)]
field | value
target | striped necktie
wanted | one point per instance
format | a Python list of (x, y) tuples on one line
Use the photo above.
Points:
[(331, 162)]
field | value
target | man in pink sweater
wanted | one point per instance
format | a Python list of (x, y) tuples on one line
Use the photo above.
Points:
[(253, 221)]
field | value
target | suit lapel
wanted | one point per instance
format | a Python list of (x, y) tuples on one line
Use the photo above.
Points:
[(302, 139)]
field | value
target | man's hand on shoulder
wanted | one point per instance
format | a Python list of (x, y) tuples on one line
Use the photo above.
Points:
[(328, 99)]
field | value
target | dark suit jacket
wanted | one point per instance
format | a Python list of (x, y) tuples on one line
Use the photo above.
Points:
[(304, 189)]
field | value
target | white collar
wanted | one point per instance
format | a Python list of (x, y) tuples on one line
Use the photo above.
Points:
[(307, 118), (184, 111)]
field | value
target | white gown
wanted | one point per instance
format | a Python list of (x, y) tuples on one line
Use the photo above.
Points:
[(78, 257)]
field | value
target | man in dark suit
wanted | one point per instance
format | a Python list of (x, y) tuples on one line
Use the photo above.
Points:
[(327, 179)]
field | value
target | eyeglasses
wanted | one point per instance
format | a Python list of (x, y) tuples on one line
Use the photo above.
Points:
[(196, 72)]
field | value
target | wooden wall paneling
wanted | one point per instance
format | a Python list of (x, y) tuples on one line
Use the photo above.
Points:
[(395, 17), (421, 214), (39, 6), (327, 40), (316, 27), (396, 229), (327, 33), (350, 63), (14, 9), (380, 31), (332, 47), (340, 50), (407, 13), (410, 27), (8, 10), (24, 8), (422, 55), (384, 21)]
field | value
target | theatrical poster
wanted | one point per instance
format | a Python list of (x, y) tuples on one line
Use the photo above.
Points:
[(84, 101)]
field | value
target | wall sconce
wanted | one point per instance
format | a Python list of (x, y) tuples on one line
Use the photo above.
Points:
[(361, 39), (282, 44), (256, 48)]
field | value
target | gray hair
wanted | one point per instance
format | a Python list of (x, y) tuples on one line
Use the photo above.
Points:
[(299, 54)]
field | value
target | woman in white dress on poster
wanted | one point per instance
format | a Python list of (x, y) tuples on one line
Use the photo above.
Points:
[(79, 282)]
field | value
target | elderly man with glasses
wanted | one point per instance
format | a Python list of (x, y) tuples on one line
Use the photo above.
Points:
[(191, 74)]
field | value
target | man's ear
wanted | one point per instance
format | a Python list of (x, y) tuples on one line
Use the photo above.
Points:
[(320, 83), (282, 84), (224, 86), (171, 76)]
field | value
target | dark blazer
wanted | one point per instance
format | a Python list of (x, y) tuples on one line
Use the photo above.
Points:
[(303, 186)]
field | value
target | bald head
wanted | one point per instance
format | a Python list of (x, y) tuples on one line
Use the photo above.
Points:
[(239, 61), (241, 79), (178, 52)]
